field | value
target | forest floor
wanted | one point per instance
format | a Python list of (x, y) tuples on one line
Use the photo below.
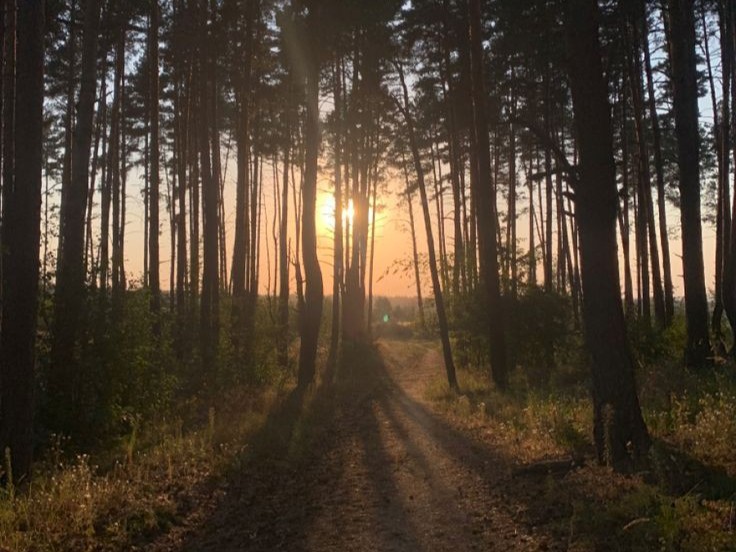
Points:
[(371, 464)]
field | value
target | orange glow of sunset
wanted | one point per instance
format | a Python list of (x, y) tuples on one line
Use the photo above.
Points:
[(327, 212)]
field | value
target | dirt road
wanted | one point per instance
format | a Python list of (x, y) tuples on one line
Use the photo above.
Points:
[(386, 473)]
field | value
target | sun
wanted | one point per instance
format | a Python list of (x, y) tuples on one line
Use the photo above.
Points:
[(327, 212)]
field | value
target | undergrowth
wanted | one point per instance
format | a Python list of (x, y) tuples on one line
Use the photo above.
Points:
[(132, 492), (685, 500)]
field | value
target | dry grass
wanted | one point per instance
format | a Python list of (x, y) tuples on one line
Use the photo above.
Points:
[(74, 505), (687, 499)]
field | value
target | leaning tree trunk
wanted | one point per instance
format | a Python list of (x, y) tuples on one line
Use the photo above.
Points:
[(617, 415), (21, 242), (436, 285)]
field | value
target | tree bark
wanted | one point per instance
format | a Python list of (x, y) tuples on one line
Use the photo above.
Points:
[(485, 206), (21, 242), (337, 271), (434, 272), (685, 103), (209, 306), (154, 284), (415, 254), (617, 415), (70, 277), (311, 316)]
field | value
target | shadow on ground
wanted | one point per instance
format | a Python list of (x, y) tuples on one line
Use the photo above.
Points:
[(365, 464)]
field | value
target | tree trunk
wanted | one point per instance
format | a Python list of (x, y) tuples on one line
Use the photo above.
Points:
[(485, 207), (181, 145), (66, 172), (209, 307), (372, 256), (511, 233), (669, 300), (685, 103), (617, 416), (547, 233), (311, 316), (436, 285), (8, 141), (415, 254), (532, 276), (154, 285), (337, 271), (624, 211), (645, 184), (70, 278), (21, 239), (115, 173)]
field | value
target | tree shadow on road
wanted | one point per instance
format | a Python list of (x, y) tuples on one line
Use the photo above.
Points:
[(325, 473)]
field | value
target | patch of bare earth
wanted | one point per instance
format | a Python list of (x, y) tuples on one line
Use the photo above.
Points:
[(387, 473)]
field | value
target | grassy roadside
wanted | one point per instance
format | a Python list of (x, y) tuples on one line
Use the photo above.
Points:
[(150, 482), (686, 500)]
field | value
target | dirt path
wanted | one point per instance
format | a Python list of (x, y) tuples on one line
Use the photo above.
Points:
[(388, 474)]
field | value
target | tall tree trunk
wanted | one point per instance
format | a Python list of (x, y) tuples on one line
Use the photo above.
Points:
[(685, 101), (311, 315), (726, 21), (21, 241), (66, 172), (154, 285), (115, 173), (547, 233), (618, 423), (669, 297), (448, 89), (415, 253), (181, 144), (70, 277), (90, 267), (623, 206), (284, 244), (645, 180), (369, 323), (532, 276), (511, 233), (194, 197), (8, 141), (436, 285), (337, 269), (209, 306), (485, 206)]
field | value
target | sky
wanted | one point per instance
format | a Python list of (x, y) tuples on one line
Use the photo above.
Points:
[(392, 241)]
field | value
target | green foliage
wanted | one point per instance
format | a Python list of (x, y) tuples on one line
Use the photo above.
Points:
[(539, 332), (651, 345)]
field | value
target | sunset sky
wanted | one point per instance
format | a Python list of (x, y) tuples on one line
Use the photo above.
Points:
[(393, 242)]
